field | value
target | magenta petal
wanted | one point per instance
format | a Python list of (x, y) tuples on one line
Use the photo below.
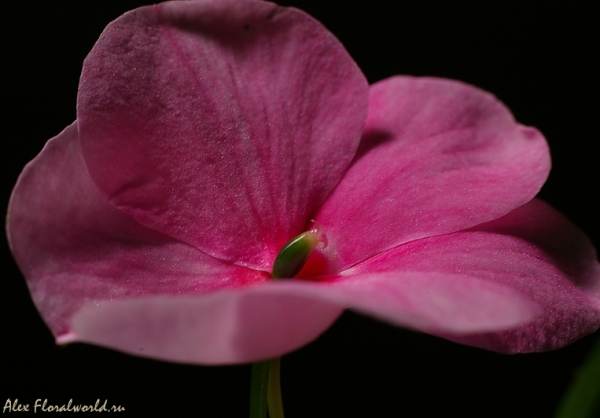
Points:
[(437, 156), (245, 325), (535, 252), (222, 123), (74, 248)]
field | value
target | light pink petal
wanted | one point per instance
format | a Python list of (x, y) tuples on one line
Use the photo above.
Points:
[(222, 123), (74, 248), (225, 327), (533, 251), (437, 156), (260, 322), (431, 302)]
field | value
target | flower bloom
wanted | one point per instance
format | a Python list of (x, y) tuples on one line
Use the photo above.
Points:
[(209, 133)]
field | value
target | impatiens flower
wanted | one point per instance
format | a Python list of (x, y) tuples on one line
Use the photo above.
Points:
[(210, 133)]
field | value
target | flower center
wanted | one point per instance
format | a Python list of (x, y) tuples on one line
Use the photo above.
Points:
[(295, 252)]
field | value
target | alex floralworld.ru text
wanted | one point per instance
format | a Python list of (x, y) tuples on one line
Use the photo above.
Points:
[(42, 405)]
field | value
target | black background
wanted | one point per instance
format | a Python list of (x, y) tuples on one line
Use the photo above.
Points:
[(536, 57)]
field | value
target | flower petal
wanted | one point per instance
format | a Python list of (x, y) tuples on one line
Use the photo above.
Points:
[(437, 156), (245, 325), (222, 123), (430, 302), (75, 248), (534, 251)]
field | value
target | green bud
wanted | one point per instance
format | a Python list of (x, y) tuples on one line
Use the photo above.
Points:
[(294, 254)]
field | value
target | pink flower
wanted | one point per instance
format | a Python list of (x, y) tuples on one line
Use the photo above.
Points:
[(209, 133)]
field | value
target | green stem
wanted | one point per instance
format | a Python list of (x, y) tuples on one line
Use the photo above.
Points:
[(265, 390), (258, 389), (274, 397)]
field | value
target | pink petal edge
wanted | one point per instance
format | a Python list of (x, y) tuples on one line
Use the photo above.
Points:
[(534, 251), (221, 123), (437, 156), (74, 248), (225, 327), (272, 319)]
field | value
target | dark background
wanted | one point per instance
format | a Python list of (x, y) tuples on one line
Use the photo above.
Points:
[(536, 57)]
